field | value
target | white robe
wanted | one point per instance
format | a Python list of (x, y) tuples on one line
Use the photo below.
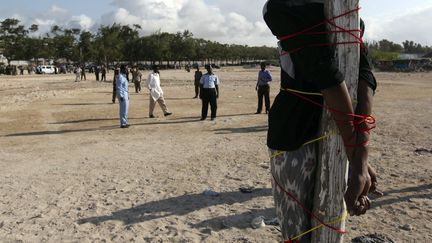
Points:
[(153, 84)]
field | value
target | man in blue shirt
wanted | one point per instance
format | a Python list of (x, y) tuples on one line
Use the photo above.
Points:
[(122, 91), (209, 92), (263, 88)]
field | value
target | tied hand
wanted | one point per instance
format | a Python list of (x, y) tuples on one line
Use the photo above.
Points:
[(356, 195), (374, 186)]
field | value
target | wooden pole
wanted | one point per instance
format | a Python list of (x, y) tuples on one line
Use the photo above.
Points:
[(332, 167)]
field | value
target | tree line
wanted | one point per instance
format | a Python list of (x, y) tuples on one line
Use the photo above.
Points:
[(120, 43), (388, 50)]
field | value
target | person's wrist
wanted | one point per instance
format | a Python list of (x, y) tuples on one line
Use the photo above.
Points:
[(359, 165)]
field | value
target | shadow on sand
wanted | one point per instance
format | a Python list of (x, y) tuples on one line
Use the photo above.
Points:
[(422, 192), (241, 130), (182, 205)]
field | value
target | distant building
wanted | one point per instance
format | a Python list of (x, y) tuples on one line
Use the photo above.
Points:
[(409, 56), (19, 63)]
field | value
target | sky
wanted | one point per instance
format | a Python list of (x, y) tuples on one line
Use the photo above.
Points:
[(225, 21)]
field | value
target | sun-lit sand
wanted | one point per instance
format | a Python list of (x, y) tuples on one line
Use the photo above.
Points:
[(69, 174)]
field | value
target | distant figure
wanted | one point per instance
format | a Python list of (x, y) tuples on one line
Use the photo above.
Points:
[(103, 72), (156, 93), (83, 74), (122, 89), (127, 74), (77, 72), (198, 75), (97, 71), (263, 88), (136, 79), (209, 93), (114, 93)]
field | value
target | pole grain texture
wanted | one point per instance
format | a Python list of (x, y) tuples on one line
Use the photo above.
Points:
[(332, 167)]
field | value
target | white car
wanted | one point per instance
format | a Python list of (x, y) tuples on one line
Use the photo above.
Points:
[(46, 69)]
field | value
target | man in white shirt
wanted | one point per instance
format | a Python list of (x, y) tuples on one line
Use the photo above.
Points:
[(156, 93), (209, 93)]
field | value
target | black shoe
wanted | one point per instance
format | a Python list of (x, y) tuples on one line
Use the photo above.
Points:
[(213, 118), (168, 114), (125, 126), (258, 112), (202, 118), (151, 116), (195, 97)]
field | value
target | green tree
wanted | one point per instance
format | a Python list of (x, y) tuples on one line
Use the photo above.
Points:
[(12, 39)]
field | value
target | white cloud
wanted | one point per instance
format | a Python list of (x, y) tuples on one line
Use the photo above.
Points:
[(413, 24), (56, 10), (226, 21), (82, 21)]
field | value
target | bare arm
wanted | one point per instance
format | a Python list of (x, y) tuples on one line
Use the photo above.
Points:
[(339, 99)]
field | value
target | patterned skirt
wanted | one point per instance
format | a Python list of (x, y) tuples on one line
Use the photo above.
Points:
[(293, 189)]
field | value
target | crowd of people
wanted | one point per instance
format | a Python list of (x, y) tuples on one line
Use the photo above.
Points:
[(206, 88)]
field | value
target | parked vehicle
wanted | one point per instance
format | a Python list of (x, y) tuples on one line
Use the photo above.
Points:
[(45, 69)]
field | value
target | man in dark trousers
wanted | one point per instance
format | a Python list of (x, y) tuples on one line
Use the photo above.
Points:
[(198, 75), (209, 93), (263, 88), (114, 93), (83, 74), (103, 72)]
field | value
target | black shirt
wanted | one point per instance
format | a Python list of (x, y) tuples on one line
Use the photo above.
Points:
[(292, 120)]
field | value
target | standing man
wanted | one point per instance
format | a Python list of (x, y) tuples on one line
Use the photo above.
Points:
[(114, 92), (103, 72), (209, 93), (123, 96), (136, 78), (198, 75), (156, 93), (263, 88), (83, 74), (77, 72), (97, 71)]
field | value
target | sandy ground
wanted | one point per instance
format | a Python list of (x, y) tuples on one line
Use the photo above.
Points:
[(69, 174)]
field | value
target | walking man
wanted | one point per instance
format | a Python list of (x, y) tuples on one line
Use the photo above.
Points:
[(198, 75), (123, 96), (136, 78), (156, 93), (263, 88), (209, 93)]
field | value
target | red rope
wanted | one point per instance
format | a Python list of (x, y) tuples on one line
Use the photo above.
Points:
[(308, 31), (312, 215)]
